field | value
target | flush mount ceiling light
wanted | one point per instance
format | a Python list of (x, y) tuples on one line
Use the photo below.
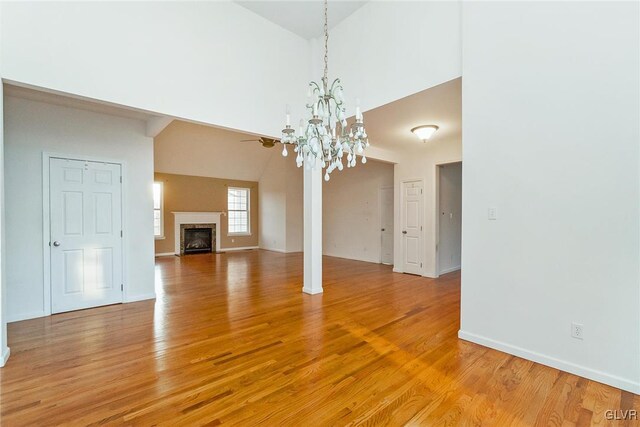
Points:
[(326, 137), (424, 132)]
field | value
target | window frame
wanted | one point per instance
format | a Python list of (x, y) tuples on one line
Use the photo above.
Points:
[(242, 233), (160, 236)]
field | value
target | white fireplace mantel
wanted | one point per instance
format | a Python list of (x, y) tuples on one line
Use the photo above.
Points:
[(196, 218)]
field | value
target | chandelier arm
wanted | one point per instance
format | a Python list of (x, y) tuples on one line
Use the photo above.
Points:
[(334, 83), (317, 86)]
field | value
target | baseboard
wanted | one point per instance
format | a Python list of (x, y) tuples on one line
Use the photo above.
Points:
[(167, 254), (244, 248), (397, 270), (5, 356), (142, 297), (26, 316), (352, 259), (572, 368), (282, 251), (450, 270)]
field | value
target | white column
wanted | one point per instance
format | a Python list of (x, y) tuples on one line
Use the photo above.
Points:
[(312, 230)]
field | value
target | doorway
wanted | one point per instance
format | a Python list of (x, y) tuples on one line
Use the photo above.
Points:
[(85, 233), (449, 246), (412, 205), (386, 225)]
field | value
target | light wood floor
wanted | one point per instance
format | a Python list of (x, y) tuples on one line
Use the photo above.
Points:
[(232, 340)]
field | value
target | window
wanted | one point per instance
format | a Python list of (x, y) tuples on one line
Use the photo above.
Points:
[(238, 207), (158, 220)]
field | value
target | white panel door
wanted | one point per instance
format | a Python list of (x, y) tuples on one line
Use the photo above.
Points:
[(86, 242), (386, 225), (412, 227)]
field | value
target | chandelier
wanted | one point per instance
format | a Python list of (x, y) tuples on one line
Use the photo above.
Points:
[(326, 138)]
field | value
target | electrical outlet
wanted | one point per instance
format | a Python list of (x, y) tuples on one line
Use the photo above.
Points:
[(576, 331)]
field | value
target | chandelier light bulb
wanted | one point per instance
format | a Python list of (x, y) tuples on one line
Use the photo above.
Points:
[(284, 150)]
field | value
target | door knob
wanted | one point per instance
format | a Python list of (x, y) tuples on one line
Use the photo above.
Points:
[(56, 243), (382, 229), (404, 232)]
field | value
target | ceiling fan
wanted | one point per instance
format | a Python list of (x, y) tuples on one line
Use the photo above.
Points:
[(266, 142)]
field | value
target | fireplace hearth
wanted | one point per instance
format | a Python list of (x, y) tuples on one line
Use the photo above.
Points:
[(197, 238)]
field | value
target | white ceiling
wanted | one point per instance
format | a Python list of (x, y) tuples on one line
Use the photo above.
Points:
[(389, 126), (302, 17)]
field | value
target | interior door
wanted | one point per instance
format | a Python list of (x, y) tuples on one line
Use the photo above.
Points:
[(412, 227), (386, 225), (86, 234)]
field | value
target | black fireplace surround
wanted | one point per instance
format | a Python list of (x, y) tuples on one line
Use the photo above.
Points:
[(197, 239)]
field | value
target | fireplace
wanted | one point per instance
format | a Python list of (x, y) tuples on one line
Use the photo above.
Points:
[(197, 238)]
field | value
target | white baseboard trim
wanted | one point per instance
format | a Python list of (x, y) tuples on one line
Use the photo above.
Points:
[(25, 316), (244, 248), (397, 270), (572, 368), (142, 297), (430, 275), (5, 356), (282, 251), (450, 270), (166, 254), (351, 258)]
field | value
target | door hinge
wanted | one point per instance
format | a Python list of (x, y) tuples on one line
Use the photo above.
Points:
[(421, 191), (121, 287), (120, 179), (420, 265), (121, 233)]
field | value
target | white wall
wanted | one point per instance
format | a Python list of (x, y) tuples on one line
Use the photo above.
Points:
[(32, 128), (4, 349), (280, 201), (272, 200), (421, 163), (212, 62), (551, 125), (449, 218), (351, 211), (387, 50)]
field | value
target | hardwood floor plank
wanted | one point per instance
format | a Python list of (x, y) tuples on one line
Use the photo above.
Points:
[(231, 340)]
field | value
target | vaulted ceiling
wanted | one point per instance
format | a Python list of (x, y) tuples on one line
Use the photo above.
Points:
[(193, 149), (389, 126), (303, 17)]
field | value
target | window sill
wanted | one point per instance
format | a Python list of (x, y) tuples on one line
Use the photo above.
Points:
[(238, 234), (159, 237)]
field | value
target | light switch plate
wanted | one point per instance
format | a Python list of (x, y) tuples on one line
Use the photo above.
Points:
[(493, 214)]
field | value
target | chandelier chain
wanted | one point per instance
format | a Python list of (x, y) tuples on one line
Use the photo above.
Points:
[(326, 42)]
